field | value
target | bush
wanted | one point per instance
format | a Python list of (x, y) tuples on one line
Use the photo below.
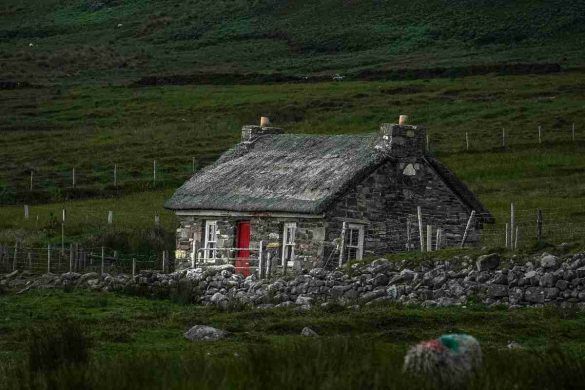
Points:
[(54, 347)]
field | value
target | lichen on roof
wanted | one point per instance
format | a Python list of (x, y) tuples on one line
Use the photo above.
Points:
[(294, 173), (284, 172)]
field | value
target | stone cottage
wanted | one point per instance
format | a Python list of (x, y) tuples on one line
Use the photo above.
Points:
[(321, 200)]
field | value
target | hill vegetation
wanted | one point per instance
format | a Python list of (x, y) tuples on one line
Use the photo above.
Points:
[(93, 84), (112, 40)]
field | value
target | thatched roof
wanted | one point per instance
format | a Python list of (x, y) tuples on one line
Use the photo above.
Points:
[(284, 173)]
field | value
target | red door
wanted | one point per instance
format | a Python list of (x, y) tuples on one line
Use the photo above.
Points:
[(243, 245)]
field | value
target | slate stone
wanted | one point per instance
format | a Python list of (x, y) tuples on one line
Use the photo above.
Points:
[(488, 262)]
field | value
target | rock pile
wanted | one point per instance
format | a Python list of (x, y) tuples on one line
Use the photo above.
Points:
[(528, 282)]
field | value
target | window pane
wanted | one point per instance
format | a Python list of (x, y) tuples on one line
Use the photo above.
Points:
[(351, 253), (354, 236)]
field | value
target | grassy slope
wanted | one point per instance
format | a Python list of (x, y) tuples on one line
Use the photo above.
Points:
[(95, 127), (84, 116), (80, 40)]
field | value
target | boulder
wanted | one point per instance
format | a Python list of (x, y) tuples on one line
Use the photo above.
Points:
[(548, 261), (217, 298), (488, 262), (304, 300), (497, 291), (204, 333), (534, 295), (308, 332)]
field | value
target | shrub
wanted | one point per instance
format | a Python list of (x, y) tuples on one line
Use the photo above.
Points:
[(54, 347)]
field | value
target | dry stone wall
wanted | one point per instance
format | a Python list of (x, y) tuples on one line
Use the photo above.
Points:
[(543, 279)]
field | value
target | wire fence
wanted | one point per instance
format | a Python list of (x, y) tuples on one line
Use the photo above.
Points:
[(45, 185), (39, 260)]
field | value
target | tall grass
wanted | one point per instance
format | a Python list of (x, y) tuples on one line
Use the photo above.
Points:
[(329, 363)]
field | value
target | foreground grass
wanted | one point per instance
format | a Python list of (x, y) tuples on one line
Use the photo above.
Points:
[(138, 342)]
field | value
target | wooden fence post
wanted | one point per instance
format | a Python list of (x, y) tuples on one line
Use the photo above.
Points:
[(49, 258), (428, 144), (115, 175), (14, 261), (438, 239), (62, 237), (31, 180), (512, 222), (467, 227), (26, 211), (466, 141), (516, 239), (71, 254), (539, 134), (154, 172), (408, 234), (194, 250), (342, 243), (573, 132), (73, 177), (103, 259), (420, 229), (507, 235), (539, 225), (133, 268), (110, 217), (164, 260), (429, 238), (260, 260), (268, 264)]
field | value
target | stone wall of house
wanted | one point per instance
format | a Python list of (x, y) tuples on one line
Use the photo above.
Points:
[(389, 197), (310, 234)]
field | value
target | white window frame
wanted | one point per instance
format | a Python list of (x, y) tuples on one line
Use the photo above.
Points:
[(207, 251), (286, 243), (360, 245)]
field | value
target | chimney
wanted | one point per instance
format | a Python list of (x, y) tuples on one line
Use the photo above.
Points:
[(252, 132), (401, 140)]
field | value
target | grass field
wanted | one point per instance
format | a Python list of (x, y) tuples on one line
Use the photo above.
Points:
[(138, 342), (113, 41), (92, 128)]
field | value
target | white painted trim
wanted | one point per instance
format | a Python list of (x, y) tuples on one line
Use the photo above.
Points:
[(251, 214), (285, 239), (360, 229), (208, 224)]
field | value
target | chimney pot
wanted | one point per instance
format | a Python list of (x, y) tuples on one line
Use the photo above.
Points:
[(264, 121), (402, 119)]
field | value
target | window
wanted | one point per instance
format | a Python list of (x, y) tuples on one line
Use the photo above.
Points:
[(210, 251), (288, 243), (354, 244)]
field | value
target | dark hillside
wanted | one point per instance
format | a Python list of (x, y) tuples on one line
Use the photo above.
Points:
[(115, 40)]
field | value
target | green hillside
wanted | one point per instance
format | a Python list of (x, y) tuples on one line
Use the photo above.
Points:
[(113, 40), (76, 93)]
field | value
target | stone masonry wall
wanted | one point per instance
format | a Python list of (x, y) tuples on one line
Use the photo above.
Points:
[(310, 234), (389, 196), (541, 280)]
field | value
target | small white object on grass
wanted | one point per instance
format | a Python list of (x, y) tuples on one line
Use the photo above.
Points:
[(31, 44), (119, 25)]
